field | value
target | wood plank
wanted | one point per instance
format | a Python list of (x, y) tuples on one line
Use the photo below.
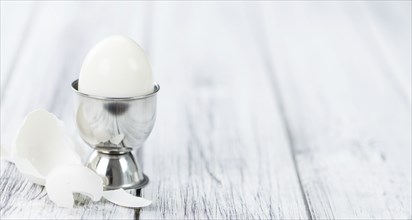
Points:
[(60, 36), (219, 149), (351, 124)]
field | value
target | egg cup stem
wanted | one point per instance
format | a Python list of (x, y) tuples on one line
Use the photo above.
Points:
[(119, 170)]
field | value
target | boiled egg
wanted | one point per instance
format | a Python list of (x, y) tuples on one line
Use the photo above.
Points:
[(116, 67)]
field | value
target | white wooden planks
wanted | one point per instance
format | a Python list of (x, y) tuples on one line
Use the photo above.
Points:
[(219, 149), (350, 122), (59, 37), (258, 102)]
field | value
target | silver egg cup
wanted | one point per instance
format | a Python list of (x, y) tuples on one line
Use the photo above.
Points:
[(116, 128)]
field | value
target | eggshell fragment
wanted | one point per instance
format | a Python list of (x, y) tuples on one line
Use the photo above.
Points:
[(30, 172), (63, 181), (41, 145), (117, 139), (125, 199)]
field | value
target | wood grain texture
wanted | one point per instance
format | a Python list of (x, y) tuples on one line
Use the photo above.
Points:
[(219, 149), (269, 110), (351, 123)]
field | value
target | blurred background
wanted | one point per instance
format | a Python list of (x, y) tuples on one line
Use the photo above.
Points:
[(43, 45), (317, 89)]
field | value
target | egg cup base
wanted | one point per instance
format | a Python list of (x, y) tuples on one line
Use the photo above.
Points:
[(118, 171)]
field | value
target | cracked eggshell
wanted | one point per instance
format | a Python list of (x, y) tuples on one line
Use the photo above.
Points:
[(27, 169), (125, 199), (63, 181), (41, 144)]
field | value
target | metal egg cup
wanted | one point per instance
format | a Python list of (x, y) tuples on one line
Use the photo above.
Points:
[(116, 128)]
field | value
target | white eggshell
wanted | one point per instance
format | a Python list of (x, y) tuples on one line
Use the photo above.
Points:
[(125, 199), (29, 171), (117, 139), (116, 67), (63, 181), (41, 145)]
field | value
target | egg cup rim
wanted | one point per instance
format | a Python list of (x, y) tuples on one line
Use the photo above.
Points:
[(75, 89)]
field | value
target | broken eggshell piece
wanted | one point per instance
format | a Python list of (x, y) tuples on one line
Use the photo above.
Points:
[(47, 156), (122, 198), (63, 181), (41, 144)]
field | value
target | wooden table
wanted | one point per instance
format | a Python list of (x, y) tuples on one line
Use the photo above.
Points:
[(290, 110)]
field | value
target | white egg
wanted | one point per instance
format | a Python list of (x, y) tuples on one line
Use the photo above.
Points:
[(116, 67)]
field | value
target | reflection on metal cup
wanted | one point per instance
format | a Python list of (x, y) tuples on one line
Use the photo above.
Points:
[(117, 129)]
